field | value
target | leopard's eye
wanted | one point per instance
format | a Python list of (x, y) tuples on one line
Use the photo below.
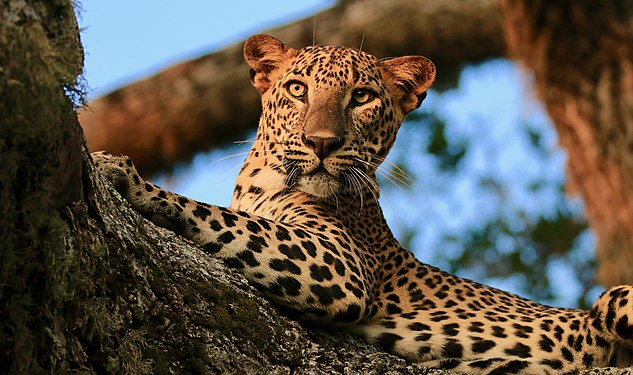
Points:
[(297, 89), (362, 96)]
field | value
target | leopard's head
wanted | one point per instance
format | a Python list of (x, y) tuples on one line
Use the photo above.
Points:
[(330, 114)]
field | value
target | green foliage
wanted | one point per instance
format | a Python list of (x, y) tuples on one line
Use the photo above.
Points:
[(447, 151), (489, 206), (499, 248)]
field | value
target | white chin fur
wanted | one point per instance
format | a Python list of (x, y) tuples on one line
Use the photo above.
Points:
[(268, 179), (321, 185)]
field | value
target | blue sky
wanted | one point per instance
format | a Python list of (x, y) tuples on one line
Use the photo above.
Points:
[(125, 41)]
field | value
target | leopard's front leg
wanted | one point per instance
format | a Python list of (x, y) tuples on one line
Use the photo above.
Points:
[(293, 265)]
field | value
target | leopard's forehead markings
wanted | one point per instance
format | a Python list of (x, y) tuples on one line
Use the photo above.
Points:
[(335, 66)]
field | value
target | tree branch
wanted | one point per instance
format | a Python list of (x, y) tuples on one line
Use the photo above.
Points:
[(209, 101), (188, 313)]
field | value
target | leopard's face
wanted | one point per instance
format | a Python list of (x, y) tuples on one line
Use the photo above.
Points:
[(330, 114), (333, 117)]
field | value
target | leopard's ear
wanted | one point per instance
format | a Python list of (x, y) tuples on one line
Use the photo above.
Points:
[(409, 77), (265, 55)]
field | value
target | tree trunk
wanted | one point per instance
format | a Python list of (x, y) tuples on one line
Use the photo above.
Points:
[(581, 53), (86, 284), (209, 101)]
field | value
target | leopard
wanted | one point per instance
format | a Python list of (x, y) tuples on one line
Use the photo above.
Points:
[(306, 229)]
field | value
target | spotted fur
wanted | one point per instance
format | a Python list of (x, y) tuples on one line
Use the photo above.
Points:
[(305, 226)]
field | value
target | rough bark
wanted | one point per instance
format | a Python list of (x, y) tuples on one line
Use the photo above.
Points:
[(581, 53), (208, 101)]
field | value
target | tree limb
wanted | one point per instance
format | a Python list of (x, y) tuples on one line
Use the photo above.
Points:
[(189, 313), (206, 102)]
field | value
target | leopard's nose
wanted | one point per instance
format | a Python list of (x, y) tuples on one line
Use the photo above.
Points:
[(322, 147)]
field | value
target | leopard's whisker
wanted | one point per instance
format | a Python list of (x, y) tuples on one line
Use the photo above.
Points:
[(291, 180), (371, 185), (357, 187), (399, 170), (333, 194), (394, 178), (373, 67), (228, 157), (231, 169), (258, 141), (314, 27), (406, 180), (377, 189)]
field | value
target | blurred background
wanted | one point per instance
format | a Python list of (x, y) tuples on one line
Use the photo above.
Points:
[(475, 184)]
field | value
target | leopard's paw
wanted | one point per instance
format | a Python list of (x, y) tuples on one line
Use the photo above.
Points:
[(117, 169), (147, 199)]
